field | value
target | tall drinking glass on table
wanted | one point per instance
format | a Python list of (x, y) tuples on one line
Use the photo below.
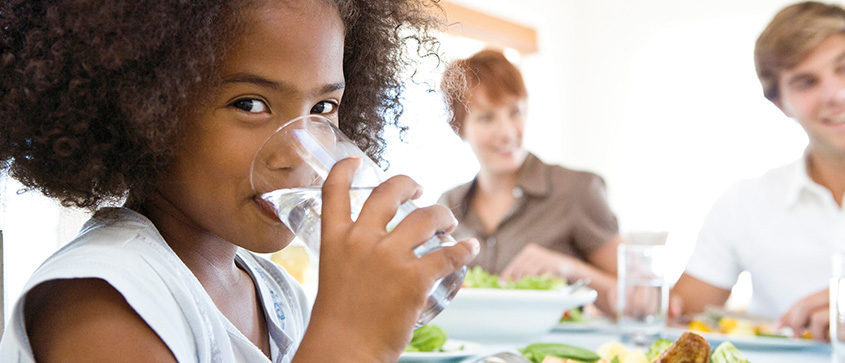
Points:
[(837, 307), (288, 173), (642, 293)]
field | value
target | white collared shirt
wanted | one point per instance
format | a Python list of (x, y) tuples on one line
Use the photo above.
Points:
[(781, 227)]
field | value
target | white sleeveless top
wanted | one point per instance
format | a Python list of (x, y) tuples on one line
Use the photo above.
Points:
[(124, 248)]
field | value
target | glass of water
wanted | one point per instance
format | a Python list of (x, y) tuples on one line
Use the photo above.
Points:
[(288, 173), (837, 308), (642, 293)]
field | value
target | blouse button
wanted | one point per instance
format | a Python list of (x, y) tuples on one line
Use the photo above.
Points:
[(491, 241)]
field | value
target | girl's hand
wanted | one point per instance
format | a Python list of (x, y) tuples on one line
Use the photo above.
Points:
[(372, 287)]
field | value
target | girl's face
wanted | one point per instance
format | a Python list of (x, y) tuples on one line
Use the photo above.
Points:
[(494, 131), (287, 62)]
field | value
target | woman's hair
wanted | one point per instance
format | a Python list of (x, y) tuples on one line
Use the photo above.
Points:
[(790, 37), (488, 69), (91, 91)]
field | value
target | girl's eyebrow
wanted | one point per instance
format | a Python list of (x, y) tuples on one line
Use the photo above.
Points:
[(277, 86)]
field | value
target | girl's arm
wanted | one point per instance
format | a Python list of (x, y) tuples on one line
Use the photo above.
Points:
[(87, 320)]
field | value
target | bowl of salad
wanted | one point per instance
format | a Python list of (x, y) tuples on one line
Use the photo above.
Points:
[(490, 310)]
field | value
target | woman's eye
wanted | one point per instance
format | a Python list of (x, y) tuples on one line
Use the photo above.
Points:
[(324, 107), (251, 105)]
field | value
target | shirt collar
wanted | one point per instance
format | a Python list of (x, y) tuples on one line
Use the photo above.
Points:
[(533, 177), (799, 182), (532, 180)]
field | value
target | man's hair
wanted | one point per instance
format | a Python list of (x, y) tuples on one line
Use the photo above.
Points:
[(487, 68), (91, 91), (790, 37)]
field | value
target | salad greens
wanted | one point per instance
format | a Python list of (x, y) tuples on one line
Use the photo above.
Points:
[(428, 338), (538, 351), (657, 349), (572, 315), (727, 353), (476, 277)]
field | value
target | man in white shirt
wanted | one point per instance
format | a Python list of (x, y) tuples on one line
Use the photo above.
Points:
[(784, 226)]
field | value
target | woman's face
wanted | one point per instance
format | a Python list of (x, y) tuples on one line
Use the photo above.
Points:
[(494, 131), (287, 62)]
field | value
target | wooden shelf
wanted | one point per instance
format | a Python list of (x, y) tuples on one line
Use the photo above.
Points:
[(471, 23)]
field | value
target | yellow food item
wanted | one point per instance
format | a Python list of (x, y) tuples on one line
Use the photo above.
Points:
[(742, 328), (551, 359), (807, 335), (730, 326), (294, 259), (699, 326), (625, 355)]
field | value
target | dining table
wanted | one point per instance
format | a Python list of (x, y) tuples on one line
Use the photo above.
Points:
[(593, 338)]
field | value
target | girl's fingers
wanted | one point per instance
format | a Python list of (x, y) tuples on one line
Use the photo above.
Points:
[(385, 200), (421, 225), (449, 259), (336, 210)]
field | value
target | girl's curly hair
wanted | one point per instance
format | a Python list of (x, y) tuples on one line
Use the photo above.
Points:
[(90, 91)]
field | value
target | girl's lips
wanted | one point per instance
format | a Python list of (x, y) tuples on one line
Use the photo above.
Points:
[(266, 208)]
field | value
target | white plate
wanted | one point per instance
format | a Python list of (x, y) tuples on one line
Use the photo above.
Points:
[(590, 324), (454, 349), (748, 342)]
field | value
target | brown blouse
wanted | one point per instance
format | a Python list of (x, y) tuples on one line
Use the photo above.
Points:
[(561, 209)]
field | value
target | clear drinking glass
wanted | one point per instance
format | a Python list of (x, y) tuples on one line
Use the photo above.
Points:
[(642, 293), (289, 170), (837, 308)]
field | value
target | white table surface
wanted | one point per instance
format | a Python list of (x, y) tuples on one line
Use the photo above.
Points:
[(593, 339)]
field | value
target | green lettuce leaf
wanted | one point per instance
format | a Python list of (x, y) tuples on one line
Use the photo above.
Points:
[(428, 338), (727, 353), (657, 349)]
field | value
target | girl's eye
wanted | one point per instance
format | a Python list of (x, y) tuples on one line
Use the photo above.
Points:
[(251, 105), (324, 107)]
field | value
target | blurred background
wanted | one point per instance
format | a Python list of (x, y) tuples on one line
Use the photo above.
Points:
[(660, 97)]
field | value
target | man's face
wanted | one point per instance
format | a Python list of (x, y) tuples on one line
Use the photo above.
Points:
[(813, 93)]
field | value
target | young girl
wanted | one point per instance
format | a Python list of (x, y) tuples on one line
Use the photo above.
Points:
[(160, 106)]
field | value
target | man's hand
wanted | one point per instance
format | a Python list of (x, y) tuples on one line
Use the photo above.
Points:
[(812, 314)]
